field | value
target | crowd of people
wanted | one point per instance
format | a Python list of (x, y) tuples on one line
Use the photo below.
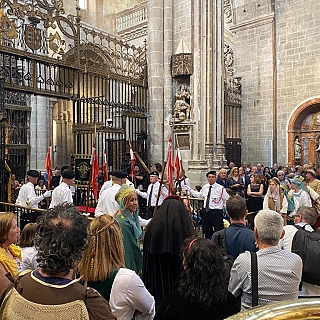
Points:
[(118, 265)]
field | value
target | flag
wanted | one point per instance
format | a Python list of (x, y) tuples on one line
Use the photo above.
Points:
[(132, 162), (178, 164), (94, 172), (48, 165), (105, 166), (170, 164)]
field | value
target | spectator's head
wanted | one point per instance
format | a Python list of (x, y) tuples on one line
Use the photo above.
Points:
[(105, 252), (254, 169), (306, 214), (158, 167), (198, 188), (202, 257), (280, 175), (268, 227), (9, 231), (310, 175), (222, 174), (136, 168), (231, 165), (236, 207), (27, 235), (61, 238), (234, 172)]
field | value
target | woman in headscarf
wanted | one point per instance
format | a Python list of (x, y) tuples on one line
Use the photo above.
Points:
[(275, 199), (128, 219), (299, 194), (169, 227)]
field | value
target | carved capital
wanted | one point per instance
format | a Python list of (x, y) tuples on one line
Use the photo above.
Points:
[(182, 64)]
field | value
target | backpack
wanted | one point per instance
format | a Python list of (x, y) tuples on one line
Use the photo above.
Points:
[(307, 245), (16, 307), (220, 241)]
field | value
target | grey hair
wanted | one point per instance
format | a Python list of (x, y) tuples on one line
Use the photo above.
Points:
[(269, 226), (308, 214)]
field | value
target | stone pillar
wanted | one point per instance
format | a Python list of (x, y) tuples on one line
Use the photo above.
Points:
[(40, 131), (160, 84), (209, 152), (62, 134)]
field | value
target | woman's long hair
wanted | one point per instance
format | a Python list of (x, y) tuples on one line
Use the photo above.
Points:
[(27, 235), (6, 219), (203, 280), (105, 252)]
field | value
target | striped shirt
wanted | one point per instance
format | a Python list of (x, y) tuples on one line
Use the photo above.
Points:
[(279, 276)]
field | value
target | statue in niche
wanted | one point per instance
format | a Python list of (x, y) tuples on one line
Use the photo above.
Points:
[(318, 143), (297, 148), (182, 105)]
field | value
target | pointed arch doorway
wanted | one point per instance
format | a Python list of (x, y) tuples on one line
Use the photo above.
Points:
[(304, 134)]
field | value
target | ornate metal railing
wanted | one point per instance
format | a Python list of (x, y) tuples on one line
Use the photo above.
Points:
[(132, 17)]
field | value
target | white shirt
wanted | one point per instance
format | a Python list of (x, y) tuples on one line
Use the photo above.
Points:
[(29, 255), (154, 195), (107, 203), (105, 186), (27, 193), (218, 195), (300, 199), (61, 194), (128, 294)]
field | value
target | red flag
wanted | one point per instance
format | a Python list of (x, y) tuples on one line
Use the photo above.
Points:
[(105, 166), (48, 165), (178, 164), (170, 164), (94, 171), (132, 162)]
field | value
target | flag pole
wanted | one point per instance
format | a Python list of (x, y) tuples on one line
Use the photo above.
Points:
[(184, 178), (91, 169)]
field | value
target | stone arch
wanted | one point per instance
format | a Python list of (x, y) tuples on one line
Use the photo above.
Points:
[(309, 107)]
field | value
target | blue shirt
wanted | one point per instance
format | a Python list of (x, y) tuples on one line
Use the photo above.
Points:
[(239, 238)]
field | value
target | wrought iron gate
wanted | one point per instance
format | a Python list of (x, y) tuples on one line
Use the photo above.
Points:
[(45, 52)]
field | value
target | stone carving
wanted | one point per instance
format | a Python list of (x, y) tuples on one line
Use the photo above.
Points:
[(228, 60), (181, 106), (297, 148), (182, 64), (227, 12)]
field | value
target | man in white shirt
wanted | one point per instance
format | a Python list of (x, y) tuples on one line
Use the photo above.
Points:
[(152, 193), (27, 196), (107, 203), (305, 217), (62, 193), (215, 196)]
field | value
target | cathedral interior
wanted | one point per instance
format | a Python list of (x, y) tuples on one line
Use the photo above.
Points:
[(226, 80)]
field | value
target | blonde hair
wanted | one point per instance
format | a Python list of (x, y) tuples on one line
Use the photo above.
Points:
[(231, 174), (6, 219), (105, 252)]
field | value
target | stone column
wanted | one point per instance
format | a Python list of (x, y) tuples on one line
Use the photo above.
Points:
[(160, 92), (209, 151), (40, 131)]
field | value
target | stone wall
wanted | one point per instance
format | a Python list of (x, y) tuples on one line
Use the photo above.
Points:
[(296, 44)]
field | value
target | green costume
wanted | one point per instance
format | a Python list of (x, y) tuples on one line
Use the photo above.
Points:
[(132, 252)]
